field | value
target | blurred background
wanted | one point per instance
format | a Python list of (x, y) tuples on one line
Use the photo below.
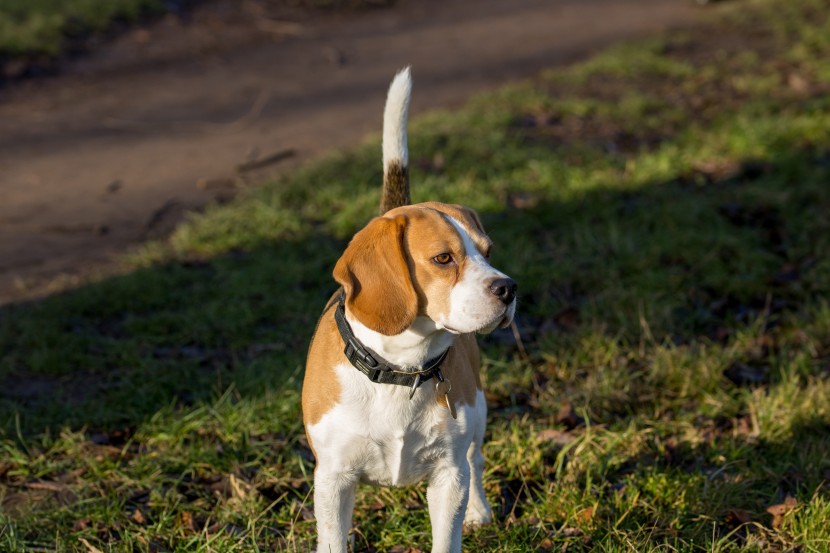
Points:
[(118, 117)]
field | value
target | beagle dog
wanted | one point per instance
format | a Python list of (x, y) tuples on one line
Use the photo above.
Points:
[(392, 392)]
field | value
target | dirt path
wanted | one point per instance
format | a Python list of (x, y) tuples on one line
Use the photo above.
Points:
[(127, 140)]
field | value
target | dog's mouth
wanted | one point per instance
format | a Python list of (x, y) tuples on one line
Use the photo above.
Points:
[(491, 327), (502, 320), (506, 319), (451, 330)]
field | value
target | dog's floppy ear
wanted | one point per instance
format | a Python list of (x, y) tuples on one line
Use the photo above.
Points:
[(375, 275)]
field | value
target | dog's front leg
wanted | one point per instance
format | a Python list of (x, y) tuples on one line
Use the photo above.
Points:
[(478, 510), (447, 495), (333, 506)]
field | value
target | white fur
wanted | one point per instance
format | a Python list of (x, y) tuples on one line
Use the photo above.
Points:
[(376, 434), (413, 347), (473, 308), (394, 119)]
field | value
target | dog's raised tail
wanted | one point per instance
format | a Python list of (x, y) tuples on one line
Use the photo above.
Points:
[(395, 150)]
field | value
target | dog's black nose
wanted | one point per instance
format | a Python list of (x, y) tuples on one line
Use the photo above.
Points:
[(504, 289)]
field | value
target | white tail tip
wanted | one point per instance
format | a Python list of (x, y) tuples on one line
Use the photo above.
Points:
[(394, 119)]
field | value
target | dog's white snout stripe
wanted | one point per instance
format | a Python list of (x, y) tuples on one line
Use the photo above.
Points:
[(473, 304)]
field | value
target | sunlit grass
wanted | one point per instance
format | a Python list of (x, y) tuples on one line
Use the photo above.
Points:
[(665, 209), (43, 26)]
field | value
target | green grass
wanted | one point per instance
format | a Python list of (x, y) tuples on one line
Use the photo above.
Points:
[(44, 26), (665, 208), (48, 27)]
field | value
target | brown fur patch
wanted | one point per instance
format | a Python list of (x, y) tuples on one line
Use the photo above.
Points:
[(395, 187), (374, 271), (463, 368), (321, 388)]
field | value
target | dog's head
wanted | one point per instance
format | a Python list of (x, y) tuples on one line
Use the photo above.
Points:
[(431, 260)]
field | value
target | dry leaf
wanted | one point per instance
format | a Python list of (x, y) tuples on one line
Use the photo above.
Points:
[(377, 505), (743, 427), (38, 489), (585, 515), (81, 524), (56, 487), (138, 517), (781, 510), (186, 520), (570, 532), (556, 436), (545, 545)]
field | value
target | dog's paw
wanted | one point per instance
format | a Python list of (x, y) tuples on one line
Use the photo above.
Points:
[(477, 516)]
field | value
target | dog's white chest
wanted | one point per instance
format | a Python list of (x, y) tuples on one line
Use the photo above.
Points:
[(400, 457), (384, 437)]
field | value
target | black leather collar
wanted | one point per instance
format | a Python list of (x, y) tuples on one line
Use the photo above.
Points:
[(375, 367)]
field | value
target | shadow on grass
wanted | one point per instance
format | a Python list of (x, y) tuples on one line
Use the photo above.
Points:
[(688, 263), (110, 354), (695, 256), (688, 259)]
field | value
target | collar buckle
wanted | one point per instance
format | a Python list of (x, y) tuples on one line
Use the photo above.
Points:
[(356, 353)]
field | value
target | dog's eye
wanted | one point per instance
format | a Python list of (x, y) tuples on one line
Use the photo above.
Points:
[(442, 258)]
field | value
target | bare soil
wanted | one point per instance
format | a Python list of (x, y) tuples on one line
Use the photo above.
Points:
[(176, 114)]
